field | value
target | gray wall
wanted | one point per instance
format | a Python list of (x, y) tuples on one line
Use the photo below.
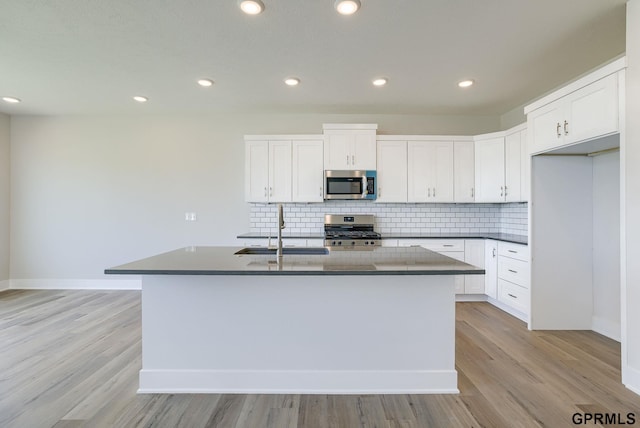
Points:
[(5, 160), (93, 192), (631, 177)]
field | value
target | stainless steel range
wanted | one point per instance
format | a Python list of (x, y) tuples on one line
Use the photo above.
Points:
[(350, 232)]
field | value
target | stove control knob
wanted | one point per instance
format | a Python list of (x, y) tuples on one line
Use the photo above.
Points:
[(339, 242), (366, 242), (333, 243), (353, 242)]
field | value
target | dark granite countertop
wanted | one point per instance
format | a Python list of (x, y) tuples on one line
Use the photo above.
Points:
[(506, 237), (223, 261)]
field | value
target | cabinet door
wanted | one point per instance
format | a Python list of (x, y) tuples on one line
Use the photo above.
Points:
[(545, 126), (525, 167), (363, 155), (490, 170), (592, 111), (307, 171), (491, 268), (280, 167), (463, 171), (441, 165), (474, 255), (418, 171), (256, 171), (337, 151), (392, 171), (513, 166)]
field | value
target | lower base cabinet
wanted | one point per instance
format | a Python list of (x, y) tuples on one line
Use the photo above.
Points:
[(513, 277)]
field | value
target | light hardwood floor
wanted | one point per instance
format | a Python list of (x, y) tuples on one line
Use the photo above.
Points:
[(71, 359)]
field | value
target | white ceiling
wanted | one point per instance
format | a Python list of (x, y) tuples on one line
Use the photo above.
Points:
[(92, 56)]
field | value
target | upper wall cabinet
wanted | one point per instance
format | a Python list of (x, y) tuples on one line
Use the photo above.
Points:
[(501, 166), (583, 110), (279, 170), (392, 171), (430, 171), (350, 147), (464, 171)]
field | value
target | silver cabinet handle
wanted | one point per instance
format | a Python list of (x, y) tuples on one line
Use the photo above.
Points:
[(429, 192), (265, 192), (472, 195), (434, 192), (501, 190), (558, 129), (380, 191), (320, 191), (512, 271), (505, 190), (270, 191), (494, 252), (447, 245), (513, 251), (347, 159), (566, 128), (353, 159), (511, 295)]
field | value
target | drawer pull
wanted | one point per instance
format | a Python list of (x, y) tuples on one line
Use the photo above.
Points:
[(513, 251), (447, 245), (511, 295), (513, 271)]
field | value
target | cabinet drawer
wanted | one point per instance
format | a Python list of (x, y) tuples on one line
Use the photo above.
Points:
[(515, 271), (513, 295), (437, 245), (515, 251)]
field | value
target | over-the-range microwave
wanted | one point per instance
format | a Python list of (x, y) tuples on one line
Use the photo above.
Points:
[(349, 184)]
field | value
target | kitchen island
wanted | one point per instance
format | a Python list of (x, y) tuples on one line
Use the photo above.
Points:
[(377, 321)]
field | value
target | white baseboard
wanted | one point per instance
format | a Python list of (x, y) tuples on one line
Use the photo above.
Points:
[(298, 381), (508, 309), (76, 284), (608, 328), (471, 298), (5, 285), (631, 379)]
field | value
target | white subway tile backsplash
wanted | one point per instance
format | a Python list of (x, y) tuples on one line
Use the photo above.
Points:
[(398, 218)]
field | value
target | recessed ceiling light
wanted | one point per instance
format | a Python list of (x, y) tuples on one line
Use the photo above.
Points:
[(380, 81), (465, 83), (292, 81), (251, 7), (205, 82), (347, 7), (140, 99), (12, 100)]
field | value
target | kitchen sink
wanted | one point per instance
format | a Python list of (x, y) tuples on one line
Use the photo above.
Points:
[(291, 251)]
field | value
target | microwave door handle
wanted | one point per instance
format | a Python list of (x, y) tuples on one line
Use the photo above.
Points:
[(364, 186)]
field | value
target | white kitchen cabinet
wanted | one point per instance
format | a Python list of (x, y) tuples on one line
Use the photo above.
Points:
[(513, 278), (256, 168), (491, 268), (350, 150), (392, 171), (308, 171), (513, 167), (430, 171), (490, 170), (588, 112), (280, 169), (474, 255), (500, 166), (464, 171)]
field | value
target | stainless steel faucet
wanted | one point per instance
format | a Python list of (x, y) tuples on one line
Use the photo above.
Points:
[(280, 227)]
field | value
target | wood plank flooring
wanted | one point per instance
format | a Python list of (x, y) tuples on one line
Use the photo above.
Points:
[(70, 359)]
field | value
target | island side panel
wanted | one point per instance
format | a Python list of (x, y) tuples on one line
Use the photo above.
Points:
[(298, 334)]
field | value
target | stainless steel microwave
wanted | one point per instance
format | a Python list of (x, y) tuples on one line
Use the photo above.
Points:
[(349, 184)]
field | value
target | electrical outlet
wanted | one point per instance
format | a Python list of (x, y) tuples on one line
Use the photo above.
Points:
[(190, 216)]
